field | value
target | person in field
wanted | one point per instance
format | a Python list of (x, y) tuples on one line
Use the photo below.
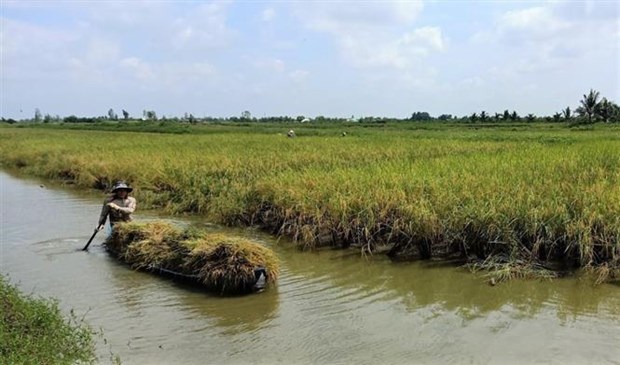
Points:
[(119, 206), (291, 134)]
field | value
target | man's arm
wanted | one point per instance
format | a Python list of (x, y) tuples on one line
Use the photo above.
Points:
[(130, 208), (105, 210)]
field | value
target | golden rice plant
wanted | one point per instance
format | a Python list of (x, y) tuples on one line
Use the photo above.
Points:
[(550, 193)]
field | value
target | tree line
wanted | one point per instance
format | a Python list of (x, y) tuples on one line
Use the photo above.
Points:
[(592, 108)]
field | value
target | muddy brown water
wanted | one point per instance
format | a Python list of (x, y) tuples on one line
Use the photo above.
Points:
[(331, 307)]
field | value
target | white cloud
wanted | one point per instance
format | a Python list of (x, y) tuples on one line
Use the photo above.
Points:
[(298, 75), (101, 51), (400, 53), (32, 52), (530, 25), (375, 34), (423, 40), (559, 28), (87, 56), (202, 28), (138, 68), (270, 64), (347, 18), (173, 75), (549, 49), (268, 15)]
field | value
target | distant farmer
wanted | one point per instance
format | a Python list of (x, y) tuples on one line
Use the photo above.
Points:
[(291, 134), (118, 206)]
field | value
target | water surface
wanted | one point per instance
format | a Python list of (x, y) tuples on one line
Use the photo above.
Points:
[(331, 307)]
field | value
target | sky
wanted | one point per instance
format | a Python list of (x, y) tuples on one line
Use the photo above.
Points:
[(312, 58)]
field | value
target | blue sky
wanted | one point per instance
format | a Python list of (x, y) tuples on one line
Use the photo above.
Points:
[(332, 58)]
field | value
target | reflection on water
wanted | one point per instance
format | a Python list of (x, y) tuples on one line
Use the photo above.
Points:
[(422, 284), (136, 290), (328, 307), (236, 315)]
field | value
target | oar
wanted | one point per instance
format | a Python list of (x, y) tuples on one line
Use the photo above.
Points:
[(90, 240)]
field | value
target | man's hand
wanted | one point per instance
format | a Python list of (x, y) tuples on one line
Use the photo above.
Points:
[(99, 227), (113, 206)]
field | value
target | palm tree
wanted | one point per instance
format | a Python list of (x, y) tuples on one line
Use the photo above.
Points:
[(530, 118), (506, 115), (607, 110), (566, 113), (483, 116), (589, 105), (514, 115)]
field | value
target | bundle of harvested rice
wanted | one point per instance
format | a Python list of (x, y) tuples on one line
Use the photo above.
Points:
[(227, 264), (155, 244), (222, 264)]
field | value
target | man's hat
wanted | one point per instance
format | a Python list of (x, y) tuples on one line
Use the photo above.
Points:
[(121, 185)]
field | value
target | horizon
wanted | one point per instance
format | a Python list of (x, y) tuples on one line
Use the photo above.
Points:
[(333, 59)]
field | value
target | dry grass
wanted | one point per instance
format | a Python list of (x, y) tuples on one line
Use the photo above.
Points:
[(226, 263), (220, 263), (604, 273)]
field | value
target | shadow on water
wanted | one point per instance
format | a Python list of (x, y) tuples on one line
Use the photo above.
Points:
[(236, 315), (233, 315), (419, 285)]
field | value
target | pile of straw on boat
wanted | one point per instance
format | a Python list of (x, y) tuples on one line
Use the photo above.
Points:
[(220, 263)]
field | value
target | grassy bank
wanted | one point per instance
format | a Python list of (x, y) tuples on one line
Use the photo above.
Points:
[(509, 197), (33, 331)]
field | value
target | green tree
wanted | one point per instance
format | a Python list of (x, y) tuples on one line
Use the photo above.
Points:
[(608, 111), (483, 116), (566, 113), (589, 105), (149, 115), (530, 118), (37, 115), (112, 115), (514, 116), (420, 116)]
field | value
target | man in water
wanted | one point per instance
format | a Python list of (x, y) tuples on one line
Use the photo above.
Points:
[(118, 206)]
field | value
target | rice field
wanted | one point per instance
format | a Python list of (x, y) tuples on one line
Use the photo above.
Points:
[(518, 199)]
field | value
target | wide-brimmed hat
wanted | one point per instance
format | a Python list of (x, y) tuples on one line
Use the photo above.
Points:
[(121, 185)]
